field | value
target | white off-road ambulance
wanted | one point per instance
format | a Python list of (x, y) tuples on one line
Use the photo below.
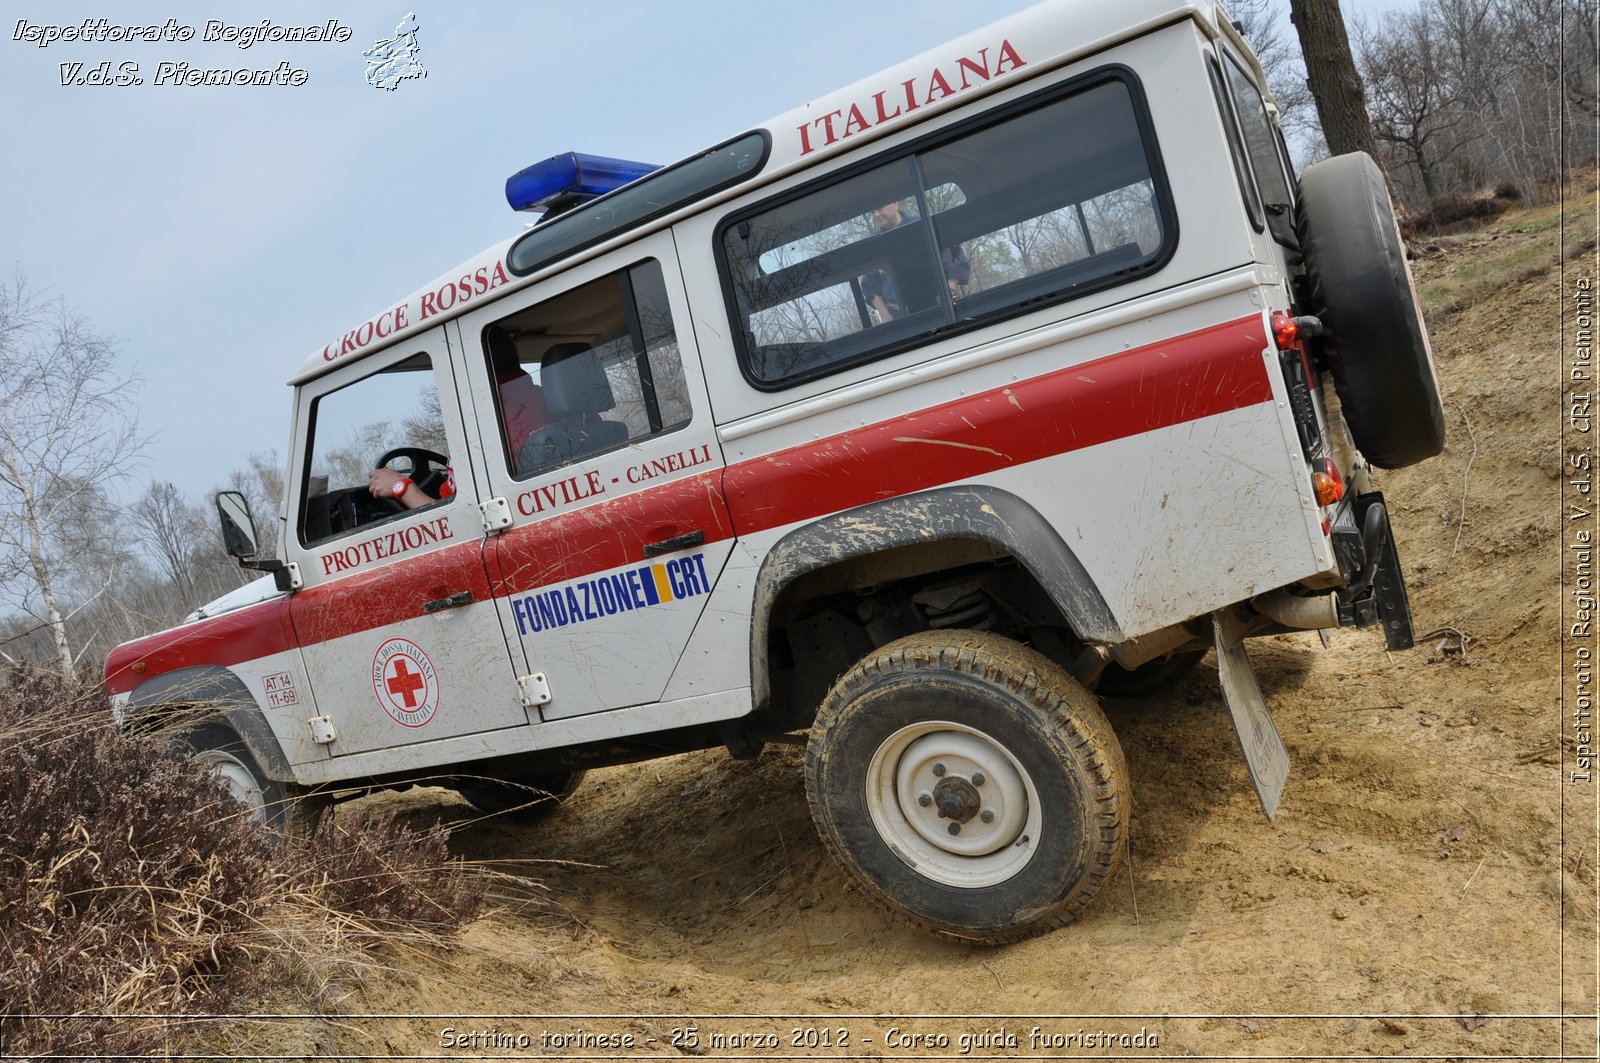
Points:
[(897, 426)]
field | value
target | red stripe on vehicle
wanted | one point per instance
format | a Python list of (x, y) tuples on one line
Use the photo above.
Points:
[(247, 635), (1212, 371), (384, 596), (1208, 372), (610, 534)]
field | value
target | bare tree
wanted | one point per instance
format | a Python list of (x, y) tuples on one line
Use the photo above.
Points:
[(1472, 94), (68, 432), (1417, 105), (1331, 75), (98, 563), (1557, 38), (172, 530), (1548, 101)]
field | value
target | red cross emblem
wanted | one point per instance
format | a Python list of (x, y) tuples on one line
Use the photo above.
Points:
[(405, 682)]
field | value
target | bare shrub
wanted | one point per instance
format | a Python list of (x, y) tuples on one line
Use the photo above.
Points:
[(1456, 211), (389, 877), (132, 886)]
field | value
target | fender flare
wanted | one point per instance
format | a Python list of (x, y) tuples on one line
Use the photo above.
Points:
[(225, 692), (986, 514)]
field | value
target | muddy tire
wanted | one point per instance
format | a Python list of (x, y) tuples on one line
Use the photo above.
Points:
[(284, 808), (967, 729), (1152, 677), (1361, 287), (528, 798)]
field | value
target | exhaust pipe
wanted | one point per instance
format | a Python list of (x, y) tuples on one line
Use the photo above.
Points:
[(1291, 610)]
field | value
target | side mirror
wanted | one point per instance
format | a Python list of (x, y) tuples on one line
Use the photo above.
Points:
[(240, 540), (238, 527)]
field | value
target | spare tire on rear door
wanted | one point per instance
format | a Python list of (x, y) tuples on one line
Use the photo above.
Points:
[(1361, 288)]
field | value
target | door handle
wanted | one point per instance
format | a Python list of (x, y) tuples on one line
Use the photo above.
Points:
[(439, 604), (677, 542)]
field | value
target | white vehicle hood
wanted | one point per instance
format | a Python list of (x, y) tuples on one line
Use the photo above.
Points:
[(257, 590)]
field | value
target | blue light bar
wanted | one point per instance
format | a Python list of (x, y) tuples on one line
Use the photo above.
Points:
[(564, 181)]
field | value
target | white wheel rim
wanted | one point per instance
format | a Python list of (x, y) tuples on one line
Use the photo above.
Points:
[(239, 779), (929, 777)]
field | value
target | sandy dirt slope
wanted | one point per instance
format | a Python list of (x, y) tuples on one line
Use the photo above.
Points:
[(1427, 889)]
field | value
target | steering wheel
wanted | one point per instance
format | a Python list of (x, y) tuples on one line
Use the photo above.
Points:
[(421, 472)]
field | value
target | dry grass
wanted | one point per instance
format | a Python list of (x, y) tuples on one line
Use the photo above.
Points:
[(133, 893), (1520, 247)]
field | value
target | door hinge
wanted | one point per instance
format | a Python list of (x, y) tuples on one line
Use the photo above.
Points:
[(322, 730), (295, 580), (496, 514), (535, 689)]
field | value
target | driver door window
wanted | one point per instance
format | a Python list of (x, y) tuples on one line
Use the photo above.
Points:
[(392, 417), (397, 625)]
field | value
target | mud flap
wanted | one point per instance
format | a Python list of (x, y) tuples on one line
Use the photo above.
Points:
[(1264, 753), (1389, 596)]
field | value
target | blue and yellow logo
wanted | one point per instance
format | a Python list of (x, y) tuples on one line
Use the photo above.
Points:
[(622, 592)]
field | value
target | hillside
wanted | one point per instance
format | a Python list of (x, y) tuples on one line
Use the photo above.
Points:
[(1429, 878)]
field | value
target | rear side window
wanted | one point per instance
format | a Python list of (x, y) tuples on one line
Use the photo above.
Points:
[(1261, 143), (1047, 200), (1241, 165)]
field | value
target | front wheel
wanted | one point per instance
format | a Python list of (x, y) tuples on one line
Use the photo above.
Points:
[(282, 807), (971, 784)]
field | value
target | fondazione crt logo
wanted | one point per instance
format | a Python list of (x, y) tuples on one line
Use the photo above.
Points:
[(389, 61)]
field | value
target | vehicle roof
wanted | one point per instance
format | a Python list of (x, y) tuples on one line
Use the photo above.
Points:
[(1043, 36)]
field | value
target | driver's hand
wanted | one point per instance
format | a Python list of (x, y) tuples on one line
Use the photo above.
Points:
[(381, 482)]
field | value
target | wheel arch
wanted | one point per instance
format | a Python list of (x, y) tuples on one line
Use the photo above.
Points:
[(975, 513), (226, 697)]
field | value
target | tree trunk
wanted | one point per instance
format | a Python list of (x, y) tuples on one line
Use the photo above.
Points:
[(58, 631), (53, 618), (1331, 76)]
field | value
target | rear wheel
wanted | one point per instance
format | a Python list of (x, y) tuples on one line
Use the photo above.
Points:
[(529, 797), (1377, 344), (971, 784)]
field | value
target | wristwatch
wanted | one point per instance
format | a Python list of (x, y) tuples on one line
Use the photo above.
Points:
[(401, 486)]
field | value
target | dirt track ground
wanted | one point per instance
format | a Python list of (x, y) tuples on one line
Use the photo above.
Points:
[(1428, 888)]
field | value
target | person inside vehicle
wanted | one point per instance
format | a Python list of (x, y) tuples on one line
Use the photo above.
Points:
[(523, 409), (878, 287), (577, 393)]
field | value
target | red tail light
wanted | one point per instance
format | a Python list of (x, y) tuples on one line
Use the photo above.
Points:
[(1285, 331)]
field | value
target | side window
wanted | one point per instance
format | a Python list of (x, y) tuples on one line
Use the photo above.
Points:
[(1056, 199), (1261, 142), (1230, 129), (589, 371), (354, 429)]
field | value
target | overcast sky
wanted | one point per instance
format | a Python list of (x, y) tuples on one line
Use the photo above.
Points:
[(221, 235)]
